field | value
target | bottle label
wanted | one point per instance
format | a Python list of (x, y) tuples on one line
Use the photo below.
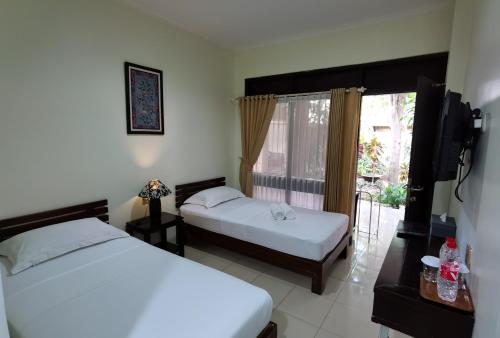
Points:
[(449, 271)]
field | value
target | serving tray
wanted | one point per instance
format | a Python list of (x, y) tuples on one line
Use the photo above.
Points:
[(463, 302)]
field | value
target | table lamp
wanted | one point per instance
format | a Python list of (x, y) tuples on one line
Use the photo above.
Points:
[(153, 191)]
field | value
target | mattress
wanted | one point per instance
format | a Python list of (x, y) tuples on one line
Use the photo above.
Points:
[(127, 288), (312, 235)]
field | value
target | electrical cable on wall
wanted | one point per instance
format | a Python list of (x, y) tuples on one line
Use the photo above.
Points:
[(460, 179), (469, 145)]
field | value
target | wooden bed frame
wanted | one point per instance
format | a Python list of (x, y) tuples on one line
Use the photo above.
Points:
[(16, 225), (13, 226), (314, 269)]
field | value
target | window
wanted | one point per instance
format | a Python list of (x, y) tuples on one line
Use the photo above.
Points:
[(291, 165)]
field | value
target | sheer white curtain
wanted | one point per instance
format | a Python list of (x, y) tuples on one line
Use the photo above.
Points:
[(291, 165)]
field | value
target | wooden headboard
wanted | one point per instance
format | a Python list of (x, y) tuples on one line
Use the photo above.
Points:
[(13, 226), (184, 191)]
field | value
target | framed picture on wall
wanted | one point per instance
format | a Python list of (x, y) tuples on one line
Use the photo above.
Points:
[(144, 94)]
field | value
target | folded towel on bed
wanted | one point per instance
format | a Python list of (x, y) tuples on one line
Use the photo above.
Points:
[(287, 210), (282, 211), (277, 211)]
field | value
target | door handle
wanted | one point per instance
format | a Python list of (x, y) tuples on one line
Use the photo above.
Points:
[(416, 189)]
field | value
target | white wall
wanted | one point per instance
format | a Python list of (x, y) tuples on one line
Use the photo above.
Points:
[(455, 79), (460, 44), (407, 36), (478, 217), (62, 115), (4, 329), (420, 34)]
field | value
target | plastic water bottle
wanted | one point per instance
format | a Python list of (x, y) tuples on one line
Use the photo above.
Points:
[(447, 281)]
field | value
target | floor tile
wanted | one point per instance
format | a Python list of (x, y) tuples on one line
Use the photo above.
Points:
[(377, 249), (364, 276), (341, 269), (276, 272), (356, 295), (278, 289), (224, 253), (291, 327), (289, 276), (256, 264), (369, 261), (193, 254), (305, 305), (325, 334), (214, 250), (215, 262), (332, 288), (349, 322), (199, 245), (360, 244), (242, 272), (352, 256)]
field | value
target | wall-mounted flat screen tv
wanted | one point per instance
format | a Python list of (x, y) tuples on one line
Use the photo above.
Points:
[(453, 126)]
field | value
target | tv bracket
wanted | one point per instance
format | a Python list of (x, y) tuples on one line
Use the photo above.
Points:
[(479, 121)]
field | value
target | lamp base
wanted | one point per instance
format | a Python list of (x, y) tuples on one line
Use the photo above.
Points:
[(155, 210)]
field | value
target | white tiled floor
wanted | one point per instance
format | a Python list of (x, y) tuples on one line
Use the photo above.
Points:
[(342, 311)]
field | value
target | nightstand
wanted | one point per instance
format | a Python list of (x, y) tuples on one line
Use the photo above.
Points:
[(144, 227)]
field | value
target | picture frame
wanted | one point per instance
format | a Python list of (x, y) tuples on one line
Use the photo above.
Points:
[(144, 96)]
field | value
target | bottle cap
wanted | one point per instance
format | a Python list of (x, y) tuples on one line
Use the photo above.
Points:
[(451, 243)]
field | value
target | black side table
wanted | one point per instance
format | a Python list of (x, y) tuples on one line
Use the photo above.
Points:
[(146, 229)]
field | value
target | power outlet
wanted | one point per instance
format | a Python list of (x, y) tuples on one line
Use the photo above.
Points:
[(468, 255)]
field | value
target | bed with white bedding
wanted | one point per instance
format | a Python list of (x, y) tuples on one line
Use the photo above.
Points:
[(312, 234), (127, 288), (307, 244)]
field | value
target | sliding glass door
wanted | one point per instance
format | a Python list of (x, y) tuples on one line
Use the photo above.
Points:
[(291, 165)]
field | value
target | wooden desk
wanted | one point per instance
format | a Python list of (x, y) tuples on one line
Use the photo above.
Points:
[(397, 303)]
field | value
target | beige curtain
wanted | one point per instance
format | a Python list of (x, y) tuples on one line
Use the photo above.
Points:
[(341, 156), (256, 115)]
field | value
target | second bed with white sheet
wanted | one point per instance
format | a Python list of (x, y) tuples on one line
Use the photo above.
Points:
[(312, 234)]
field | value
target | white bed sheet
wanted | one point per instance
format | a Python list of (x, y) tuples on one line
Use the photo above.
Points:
[(126, 288), (312, 235)]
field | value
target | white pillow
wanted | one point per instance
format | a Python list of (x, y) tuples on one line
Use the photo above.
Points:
[(211, 197), (39, 245)]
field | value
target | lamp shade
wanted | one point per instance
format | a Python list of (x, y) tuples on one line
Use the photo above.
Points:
[(154, 189)]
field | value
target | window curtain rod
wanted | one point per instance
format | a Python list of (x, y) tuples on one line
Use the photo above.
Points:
[(360, 89)]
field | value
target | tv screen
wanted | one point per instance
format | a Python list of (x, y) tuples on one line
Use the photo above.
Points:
[(450, 137)]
